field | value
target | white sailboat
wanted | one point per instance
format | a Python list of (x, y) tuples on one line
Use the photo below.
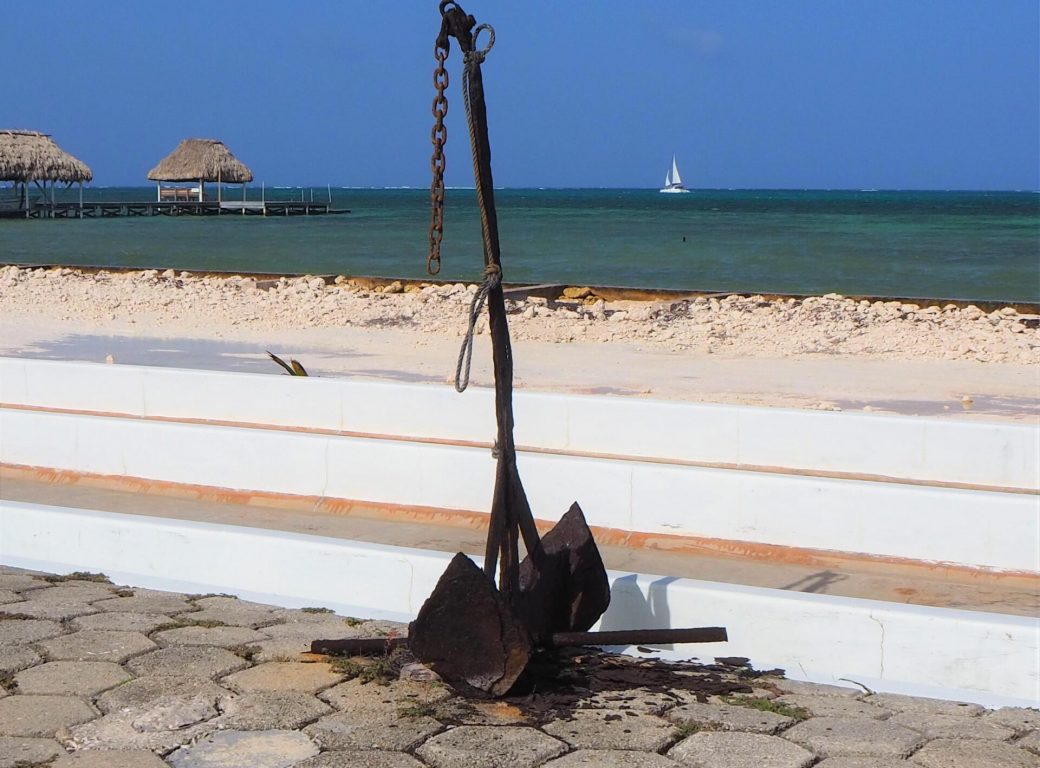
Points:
[(672, 180)]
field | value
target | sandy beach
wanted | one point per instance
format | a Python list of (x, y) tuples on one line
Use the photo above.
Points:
[(825, 352)]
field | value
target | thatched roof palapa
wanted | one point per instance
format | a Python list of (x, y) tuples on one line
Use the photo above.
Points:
[(201, 160), (30, 156)]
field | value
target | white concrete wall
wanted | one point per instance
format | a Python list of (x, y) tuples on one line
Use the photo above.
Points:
[(995, 454), (968, 527), (973, 656)]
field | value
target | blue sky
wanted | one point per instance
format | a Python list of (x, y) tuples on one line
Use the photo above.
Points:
[(938, 94)]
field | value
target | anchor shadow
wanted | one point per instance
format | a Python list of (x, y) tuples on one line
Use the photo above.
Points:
[(815, 582), (630, 608)]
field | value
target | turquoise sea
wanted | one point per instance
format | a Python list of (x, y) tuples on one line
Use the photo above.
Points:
[(970, 245)]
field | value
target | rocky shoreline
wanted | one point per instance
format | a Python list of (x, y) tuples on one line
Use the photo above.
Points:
[(730, 326)]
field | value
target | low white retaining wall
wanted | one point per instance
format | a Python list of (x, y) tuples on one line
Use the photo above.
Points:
[(968, 527), (995, 454), (988, 658)]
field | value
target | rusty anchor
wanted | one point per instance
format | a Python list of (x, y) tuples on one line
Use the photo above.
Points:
[(475, 634)]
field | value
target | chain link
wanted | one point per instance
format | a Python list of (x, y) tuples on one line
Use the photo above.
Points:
[(438, 136)]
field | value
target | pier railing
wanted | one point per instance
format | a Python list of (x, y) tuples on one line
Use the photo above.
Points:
[(98, 210)]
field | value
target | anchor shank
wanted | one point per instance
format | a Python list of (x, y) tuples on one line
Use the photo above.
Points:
[(510, 512)]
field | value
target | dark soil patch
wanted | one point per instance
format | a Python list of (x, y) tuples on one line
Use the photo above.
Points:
[(558, 682)]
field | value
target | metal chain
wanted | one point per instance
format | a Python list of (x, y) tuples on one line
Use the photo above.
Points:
[(438, 136), (492, 271)]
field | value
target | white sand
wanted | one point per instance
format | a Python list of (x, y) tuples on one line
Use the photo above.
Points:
[(824, 352)]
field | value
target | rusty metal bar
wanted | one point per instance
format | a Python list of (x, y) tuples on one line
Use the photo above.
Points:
[(641, 637), (365, 646)]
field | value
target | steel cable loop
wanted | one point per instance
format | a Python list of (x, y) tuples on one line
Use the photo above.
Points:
[(492, 279), (491, 40), (473, 60)]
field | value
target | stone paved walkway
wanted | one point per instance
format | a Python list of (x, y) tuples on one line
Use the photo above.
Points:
[(97, 676)]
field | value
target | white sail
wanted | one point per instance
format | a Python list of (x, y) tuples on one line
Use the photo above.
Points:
[(672, 179)]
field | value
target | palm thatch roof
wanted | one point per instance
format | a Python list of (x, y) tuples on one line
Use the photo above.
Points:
[(201, 159), (31, 156)]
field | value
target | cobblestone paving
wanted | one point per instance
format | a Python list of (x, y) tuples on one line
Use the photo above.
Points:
[(94, 675)]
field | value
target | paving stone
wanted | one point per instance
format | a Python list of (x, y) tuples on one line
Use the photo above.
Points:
[(729, 717), (381, 628), (235, 612), (20, 581), (176, 703), (256, 749), (834, 706), (969, 753), (469, 712), (863, 762), (755, 693), (376, 729), (166, 603), (236, 617), (1019, 719), (97, 645), (372, 716), (143, 690), (41, 715), (158, 726), (122, 622), (83, 678), (109, 759), (222, 637), (19, 751), (418, 672), (323, 628), (65, 580), (637, 700), (174, 712), (611, 758), (814, 689), (739, 750), (48, 609), (300, 616), (953, 726), (360, 759), (482, 746), (291, 639), (898, 703), (192, 661), (20, 631), (612, 729), (232, 603), (1030, 741), (284, 676), (276, 650), (271, 711), (841, 736), (68, 592), (16, 657), (354, 695)]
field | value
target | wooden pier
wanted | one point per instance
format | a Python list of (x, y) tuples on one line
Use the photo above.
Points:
[(96, 210)]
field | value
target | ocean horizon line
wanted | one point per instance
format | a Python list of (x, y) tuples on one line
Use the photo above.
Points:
[(417, 188)]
